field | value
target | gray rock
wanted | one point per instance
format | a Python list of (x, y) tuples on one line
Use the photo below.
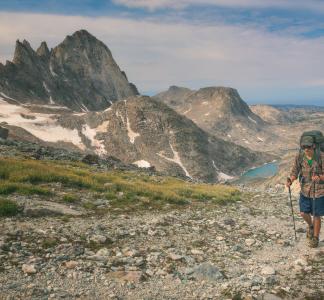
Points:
[(4, 132), (208, 271)]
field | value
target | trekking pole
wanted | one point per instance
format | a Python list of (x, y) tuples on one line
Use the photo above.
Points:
[(292, 211), (314, 200)]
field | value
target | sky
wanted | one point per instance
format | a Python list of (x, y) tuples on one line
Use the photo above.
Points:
[(271, 51)]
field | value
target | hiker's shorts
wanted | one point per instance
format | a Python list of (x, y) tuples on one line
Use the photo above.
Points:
[(306, 205)]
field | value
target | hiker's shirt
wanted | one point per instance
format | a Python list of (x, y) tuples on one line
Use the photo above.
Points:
[(305, 170)]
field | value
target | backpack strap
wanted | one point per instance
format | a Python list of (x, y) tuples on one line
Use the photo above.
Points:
[(300, 161)]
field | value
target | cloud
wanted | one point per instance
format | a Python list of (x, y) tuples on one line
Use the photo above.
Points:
[(312, 5), (156, 55)]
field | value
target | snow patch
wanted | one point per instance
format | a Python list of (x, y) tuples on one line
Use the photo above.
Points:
[(51, 70), (131, 134), (46, 88), (84, 108), (188, 110), (42, 127), (142, 164), (4, 95), (222, 177), (90, 133), (49, 92), (176, 159), (252, 120)]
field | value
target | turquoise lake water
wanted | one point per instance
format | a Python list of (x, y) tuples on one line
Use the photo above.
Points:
[(265, 171)]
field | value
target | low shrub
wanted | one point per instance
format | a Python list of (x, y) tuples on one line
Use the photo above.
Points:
[(8, 208)]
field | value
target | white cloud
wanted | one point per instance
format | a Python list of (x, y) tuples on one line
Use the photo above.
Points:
[(156, 55), (312, 5)]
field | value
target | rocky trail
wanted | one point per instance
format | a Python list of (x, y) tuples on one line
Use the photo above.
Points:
[(242, 250)]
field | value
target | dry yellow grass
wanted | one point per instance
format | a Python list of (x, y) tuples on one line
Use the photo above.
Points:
[(121, 187)]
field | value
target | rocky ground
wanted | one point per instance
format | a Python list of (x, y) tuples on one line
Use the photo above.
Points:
[(243, 250)]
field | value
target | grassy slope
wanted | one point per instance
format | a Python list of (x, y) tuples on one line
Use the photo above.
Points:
[(52, 179)]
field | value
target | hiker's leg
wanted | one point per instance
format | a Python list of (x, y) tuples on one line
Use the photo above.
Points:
[(317, 226), (307, 218)]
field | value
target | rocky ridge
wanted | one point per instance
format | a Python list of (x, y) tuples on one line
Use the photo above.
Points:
[(79, 73)]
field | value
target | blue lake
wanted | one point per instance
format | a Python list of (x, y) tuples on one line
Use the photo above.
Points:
[(265, 171)]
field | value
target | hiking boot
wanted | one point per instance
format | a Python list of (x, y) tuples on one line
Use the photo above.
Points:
[(310, 232), (313, 242)]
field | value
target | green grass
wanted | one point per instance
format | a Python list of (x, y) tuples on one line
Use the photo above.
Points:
[(70, 198), (8, 208), (121, 188), (7, 188)]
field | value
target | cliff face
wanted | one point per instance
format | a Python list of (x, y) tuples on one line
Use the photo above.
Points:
[(80, 73)]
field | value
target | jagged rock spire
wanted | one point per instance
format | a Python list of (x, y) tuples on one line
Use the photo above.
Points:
[(23, 53), (79, 73), (43, 50)]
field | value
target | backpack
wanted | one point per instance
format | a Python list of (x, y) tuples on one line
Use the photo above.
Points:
[(318, 140)]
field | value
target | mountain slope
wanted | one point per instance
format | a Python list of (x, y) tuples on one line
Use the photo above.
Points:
[(147, 132), (271, 114), (221, 112), (79, 73), (137, 130)]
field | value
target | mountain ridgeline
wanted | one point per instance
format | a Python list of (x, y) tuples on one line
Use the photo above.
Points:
[(80, 73), (75, 97)]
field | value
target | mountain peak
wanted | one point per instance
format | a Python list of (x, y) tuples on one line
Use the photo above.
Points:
[(80, 37), (23, 52), (83, 33), (43, 50), (79, 73), (174, 88)]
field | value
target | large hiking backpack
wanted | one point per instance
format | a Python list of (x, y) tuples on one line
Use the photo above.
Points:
[(318, 140)]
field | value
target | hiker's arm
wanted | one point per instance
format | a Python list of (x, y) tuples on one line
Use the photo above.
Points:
[(295, 169), (293, 172), (322, 172)]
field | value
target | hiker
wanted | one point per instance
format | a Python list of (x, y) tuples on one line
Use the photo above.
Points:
[(308, 167)]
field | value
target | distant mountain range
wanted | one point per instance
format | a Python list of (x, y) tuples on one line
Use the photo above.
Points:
[(296, 106)]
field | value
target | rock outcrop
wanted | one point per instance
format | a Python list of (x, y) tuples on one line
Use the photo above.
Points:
[(80, 73)]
